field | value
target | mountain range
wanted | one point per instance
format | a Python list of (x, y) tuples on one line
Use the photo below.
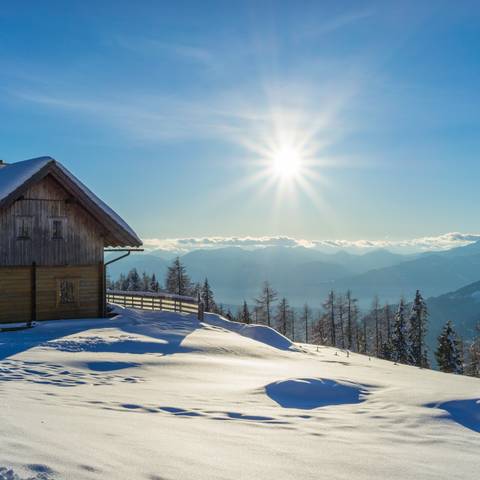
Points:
[(449, 279), (306, 275)]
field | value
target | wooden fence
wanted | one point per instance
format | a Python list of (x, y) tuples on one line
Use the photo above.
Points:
[(156, 301)]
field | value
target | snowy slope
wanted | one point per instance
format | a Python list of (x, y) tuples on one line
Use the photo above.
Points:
[(161, 396)]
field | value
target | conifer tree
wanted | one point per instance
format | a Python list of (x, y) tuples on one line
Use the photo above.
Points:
[(387, 320), (417, 331), (264, 302), (305, 319), (134, 283), (340, 308), (328, 319), (352, 313), (177, 281), (376, 319), (399, 341), (449, 351), (283, 317), (154, 285), (206, 296), (122, 282), (319, 331), (244, 314), (293, 318), (472, 366)]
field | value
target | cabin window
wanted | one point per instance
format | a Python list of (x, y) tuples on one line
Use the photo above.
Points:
[(57, 228), (24, 227), (67, 291)]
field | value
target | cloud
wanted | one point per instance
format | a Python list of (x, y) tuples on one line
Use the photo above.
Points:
[(149, 46), (338, 22), (432, 243)]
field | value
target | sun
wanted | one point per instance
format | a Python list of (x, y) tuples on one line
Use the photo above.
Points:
[(286, 163)]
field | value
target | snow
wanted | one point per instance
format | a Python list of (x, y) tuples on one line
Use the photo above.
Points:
[(150, 395), (15, 175)]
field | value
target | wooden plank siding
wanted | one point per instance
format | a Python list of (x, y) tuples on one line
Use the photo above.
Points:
[(16, 293), (82, 242)]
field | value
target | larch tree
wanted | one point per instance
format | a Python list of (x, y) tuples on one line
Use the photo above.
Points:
[(417, 331), (472, 366), (340, 308), (376, 320), (264, 302), (283, 317), (177, 281), (305, 319), (352, 314), (449, 353)]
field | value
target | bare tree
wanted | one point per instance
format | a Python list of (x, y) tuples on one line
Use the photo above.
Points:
[(305, 318), (267, 296)]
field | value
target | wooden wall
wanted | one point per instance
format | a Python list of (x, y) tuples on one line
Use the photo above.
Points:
[(16, 298), (82, 242), (15, 294)]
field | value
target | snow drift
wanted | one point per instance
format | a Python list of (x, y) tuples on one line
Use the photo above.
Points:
[(149, 395)]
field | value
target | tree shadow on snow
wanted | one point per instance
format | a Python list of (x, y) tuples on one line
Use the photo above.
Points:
[(140, 333), (310, 393), (464, 412)]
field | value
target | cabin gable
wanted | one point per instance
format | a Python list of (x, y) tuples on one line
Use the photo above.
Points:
[(46, 226)]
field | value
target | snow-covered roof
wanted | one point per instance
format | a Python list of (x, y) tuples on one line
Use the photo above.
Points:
[(15, 178)]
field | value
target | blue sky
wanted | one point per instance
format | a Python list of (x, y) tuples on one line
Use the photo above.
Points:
[(170, 110)]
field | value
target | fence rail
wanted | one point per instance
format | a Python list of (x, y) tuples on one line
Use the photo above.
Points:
[(156, 301)]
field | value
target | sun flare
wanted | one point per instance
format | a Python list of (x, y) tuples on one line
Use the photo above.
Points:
[(286, 163)]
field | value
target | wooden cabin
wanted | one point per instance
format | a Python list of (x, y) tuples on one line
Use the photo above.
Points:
[(53, 231)]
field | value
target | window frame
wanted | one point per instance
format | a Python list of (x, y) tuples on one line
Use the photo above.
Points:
[(52, 221), (76, 292), (23, 218)]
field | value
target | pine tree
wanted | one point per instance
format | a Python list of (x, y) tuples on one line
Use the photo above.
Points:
[(244, 314), (328, 319), (206, 296), (264, 302), (305, 319), (387, 319), (134, 283), (352, 314), (154, 285), (145, 282), (399, 341), (417, 331), (449, 353), (283, 317), (177, 281)]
